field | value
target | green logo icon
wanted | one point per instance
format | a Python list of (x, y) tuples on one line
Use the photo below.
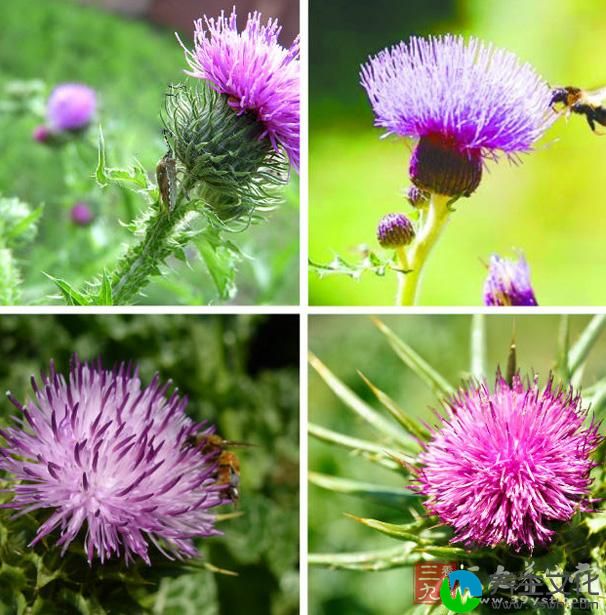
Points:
[(467, 594)]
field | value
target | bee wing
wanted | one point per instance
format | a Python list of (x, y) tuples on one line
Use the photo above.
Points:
[(596, 97), (231, 444)]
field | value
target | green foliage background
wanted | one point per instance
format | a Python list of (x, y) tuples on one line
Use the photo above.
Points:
[(130, 64), (551, 206), (240, 373), (348, 344)]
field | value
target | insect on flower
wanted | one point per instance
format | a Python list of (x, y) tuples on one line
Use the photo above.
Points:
[(166, 176), (228, 463), (590, 103)]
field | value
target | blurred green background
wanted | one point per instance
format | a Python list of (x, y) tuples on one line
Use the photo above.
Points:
[(130, 63), (351, 343), (240, 373), (551, 206)]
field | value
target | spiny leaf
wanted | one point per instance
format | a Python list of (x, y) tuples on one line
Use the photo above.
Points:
[(369, 450), (478, 346), (578, 353), (437, 382), (406, 531), (397, 498), (370, 262), (361, 408), (71, 295), (412, 426), (105, 292), (221, 258), (100, 175), (24, 225), (371, 561)]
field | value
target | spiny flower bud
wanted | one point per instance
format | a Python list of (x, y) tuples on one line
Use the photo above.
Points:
[(41, 134), (395, 230), (222, 152), (416, 197)]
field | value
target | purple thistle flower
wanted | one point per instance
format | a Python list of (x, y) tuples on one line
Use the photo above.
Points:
[(508, 283), (464, 101), (81, 214), (502, 466), (256, 73), (112, 459), (71, 106)]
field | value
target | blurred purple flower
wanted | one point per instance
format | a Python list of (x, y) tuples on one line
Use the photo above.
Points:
[(81, 214), (508, 283), (71, 106), (254, 71), (41, 134), (465, 101), (112, 459), (503, 466)]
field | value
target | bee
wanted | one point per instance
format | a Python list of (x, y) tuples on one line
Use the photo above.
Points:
[(228, 472), (166, 176), (590, 103)]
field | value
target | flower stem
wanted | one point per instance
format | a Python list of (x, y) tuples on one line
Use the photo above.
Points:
[(429, 231), (143, 260)]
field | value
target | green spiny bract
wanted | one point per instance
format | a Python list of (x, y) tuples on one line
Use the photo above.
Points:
[(223, 157)]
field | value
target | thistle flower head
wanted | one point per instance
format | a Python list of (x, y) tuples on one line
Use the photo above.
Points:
[(112, 460), (81, 214), (71, 106), (508, 283), (464, 101), (504, 465), (394, 231), (257, 74)]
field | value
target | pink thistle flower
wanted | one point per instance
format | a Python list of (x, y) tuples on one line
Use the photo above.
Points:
[(256, 73), (71, 106), (503, 466), (81, 214), (113, 460)]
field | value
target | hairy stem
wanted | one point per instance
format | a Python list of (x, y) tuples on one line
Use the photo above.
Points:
[(142, 260), (418, 252)]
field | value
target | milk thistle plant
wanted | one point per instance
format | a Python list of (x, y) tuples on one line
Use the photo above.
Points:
[(464, 104), (101, 467), (231, 132), (510, 473)]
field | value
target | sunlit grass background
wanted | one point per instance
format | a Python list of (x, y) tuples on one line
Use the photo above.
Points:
[(551, 206), (130, 64), (351, 343)]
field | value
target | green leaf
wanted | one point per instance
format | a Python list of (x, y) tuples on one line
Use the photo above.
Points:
[(71, 295), (105, 291), (478, 346), (412, 426), (563, 347), (373, 452), (390, 496), (578, 353), (406, 531), (221, 258), (440, 386), (362, 409), (370, 561), (370, 262), (100, 174), (25, 224)]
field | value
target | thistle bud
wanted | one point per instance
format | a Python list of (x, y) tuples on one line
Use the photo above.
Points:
[(394, 231), (81, 214), (222, 152), (41, 134), (416, 197)]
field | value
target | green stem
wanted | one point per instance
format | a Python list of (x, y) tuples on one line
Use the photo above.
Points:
[(142, 260), (418, 252)]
